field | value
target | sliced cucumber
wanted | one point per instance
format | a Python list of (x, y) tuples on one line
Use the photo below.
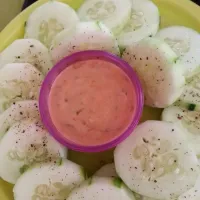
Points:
[(191, 93), (18, 81), (16, 113), (186, 119), (49, 181), (186, 43), (67, 34), (154, 62), (27, 142), (62, 36), (154, 157), (102, 188), (27, 51), (144, 22), (192, 194), (113, 13), (48, 20), (85, 36), (107, 171)]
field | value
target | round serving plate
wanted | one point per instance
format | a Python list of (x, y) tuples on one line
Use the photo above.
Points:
[(181, 12)]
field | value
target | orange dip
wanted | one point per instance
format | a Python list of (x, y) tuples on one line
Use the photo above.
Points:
[(92, 102)]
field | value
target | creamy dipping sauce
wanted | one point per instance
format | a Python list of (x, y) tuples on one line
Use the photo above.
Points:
[(92, 102)]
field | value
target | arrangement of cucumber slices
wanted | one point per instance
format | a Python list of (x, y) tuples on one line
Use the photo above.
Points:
[(159, 160)]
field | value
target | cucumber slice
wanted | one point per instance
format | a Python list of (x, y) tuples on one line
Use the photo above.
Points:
[(18, 81), (62, 36), (80, 28), (186, 119), (107, 171), (48, 181), (154, 157), (27, 51), (27, 142), (102, 188), (191, 93), (186, 43), (144, 22), (192, 194), (48, 20), (16, 113), (154, 62), (85, 36), (113, 13)]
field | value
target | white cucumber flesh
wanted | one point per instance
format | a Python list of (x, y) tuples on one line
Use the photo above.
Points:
[(154, 62), (26, 143), (98, 188), (17, 112), (110, 171), (113, 13), (49, 181), (191, 93), (188, 119), (48, 20), (67, 34), (85, 36), (19, 81), (154, 157), (144, 22), (186, 43), (192, 194), (27, 51)]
